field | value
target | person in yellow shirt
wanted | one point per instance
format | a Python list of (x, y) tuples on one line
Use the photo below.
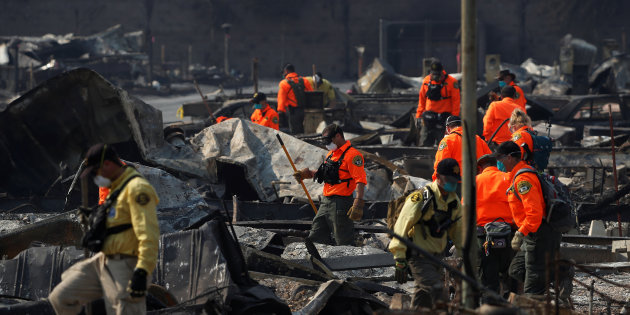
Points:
[(429, 227), (320, 84), (126, 254)]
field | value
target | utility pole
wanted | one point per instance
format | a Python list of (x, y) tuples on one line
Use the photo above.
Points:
[(469, 122), (226, 31)]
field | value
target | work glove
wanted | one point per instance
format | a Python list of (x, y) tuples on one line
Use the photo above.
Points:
[(356, 211), (402, 269), (517, 241), (137, 287), (303, 174)]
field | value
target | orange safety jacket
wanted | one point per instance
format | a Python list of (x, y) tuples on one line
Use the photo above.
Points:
[(266, 117), (451, 147), (520, 96), (497, 113), (492, 202), (522, 136), (530, 210), (450, 95), (351, 168), (286, 96)]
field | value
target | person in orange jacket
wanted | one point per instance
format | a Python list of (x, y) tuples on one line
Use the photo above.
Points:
[(535, 239), (495, 254), (263, 114), (519, 124), (497, 115), (507, 78), (439, 98), (291, 98), (451, 145), (343, 174)]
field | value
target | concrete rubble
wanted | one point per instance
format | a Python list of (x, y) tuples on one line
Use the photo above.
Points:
[(248, 252)]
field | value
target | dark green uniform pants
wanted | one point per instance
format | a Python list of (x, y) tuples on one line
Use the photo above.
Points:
[(430, 135), (493, 269), (530, 263), (296, 119), (428, 278), (332, 217)]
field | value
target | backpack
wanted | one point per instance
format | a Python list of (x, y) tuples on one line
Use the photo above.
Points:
[(558, 209), (437, 226), (298, 89), (542, 149), (97, 230), (395, 206), (434, 91)]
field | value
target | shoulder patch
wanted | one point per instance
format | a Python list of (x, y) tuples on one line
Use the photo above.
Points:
[(142, 199), (275, 120), (456, 85), (523, 187), (517, 96), (442, 146), (357, 160), (516, 136), (416, 196)]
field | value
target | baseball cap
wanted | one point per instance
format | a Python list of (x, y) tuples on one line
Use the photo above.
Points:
[(96, 155), (507, 148), (487, 159), (258, 96), (436, 67), (449, 167), (453, 119)]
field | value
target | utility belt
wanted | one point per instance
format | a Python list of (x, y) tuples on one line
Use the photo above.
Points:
[(497, 235)]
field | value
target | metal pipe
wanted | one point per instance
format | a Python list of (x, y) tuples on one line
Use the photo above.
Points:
[(469, 168), (255, 74), (612, 147), (590, 297)]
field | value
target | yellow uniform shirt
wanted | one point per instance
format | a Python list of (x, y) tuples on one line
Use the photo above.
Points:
[(136, 204), (407, 224)]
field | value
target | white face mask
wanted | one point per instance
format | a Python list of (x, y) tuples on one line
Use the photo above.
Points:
[(101, 181), (331, 146)]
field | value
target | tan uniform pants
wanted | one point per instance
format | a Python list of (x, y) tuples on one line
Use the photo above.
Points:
[(94, 278)]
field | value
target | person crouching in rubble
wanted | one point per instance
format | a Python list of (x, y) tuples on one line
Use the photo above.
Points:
[(535, 240), (343, 173), (125, 254), (428, 217), (263, 114)]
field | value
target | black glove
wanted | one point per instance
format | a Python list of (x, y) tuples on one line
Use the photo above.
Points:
[(138, 284), (402, 268)]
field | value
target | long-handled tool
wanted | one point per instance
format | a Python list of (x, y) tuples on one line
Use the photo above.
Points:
[(295, 170)]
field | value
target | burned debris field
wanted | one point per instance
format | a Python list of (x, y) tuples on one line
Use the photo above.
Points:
[(320, 190)]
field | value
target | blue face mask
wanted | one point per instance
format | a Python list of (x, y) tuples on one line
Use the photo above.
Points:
[(501, 166), (257, 106), (450, 186), (502, 84)]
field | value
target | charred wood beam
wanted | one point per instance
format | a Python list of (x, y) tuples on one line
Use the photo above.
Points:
[(271, 264)]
